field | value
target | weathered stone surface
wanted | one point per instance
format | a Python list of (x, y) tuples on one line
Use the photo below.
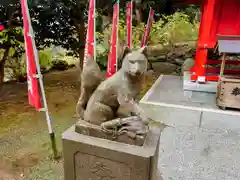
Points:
[(82, 127), (92, 158), (168, 115), (202, 142), (199, 153)]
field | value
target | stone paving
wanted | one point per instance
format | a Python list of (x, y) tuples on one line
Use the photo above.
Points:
[(202, 142)]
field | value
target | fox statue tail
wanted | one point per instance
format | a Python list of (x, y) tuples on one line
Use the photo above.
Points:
[(91, 77)]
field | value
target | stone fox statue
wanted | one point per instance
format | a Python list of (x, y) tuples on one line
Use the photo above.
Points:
[(91, 77), (100, 99)]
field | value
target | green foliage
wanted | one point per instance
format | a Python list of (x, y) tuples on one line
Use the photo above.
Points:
[(45, 58), (59, 65), (98, 20), (178, 28), (193, 12), (102, 56), (101, 50), (16, 65), (171, 29), (137, 32), (11, 18), (62, 23), (11, 38), (174, 28)]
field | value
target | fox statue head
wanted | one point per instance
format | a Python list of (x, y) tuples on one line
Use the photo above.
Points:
[(135, 61)]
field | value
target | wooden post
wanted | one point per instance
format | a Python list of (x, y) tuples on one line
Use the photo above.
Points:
[(222, 65)]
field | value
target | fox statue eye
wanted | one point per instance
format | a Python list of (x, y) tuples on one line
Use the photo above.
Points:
[(131, 61)]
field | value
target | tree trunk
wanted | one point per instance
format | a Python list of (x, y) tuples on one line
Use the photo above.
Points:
[(2, 63), (81, 58), (106, 32), (82, 39), (138, 12), (80, 26)]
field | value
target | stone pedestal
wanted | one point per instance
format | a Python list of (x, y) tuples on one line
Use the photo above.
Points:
[(89, 154)]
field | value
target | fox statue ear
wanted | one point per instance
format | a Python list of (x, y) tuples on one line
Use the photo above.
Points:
[(126, 51), (143, 50)]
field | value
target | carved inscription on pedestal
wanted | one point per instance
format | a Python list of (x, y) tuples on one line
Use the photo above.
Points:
[(89, 167), (236, 91)]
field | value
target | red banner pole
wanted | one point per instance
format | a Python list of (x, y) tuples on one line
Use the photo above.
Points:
[(112, 56), (90, 43), (129, 24), (94, 31), (116, 44), (148, 28), (33, 92), (34, 73)]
